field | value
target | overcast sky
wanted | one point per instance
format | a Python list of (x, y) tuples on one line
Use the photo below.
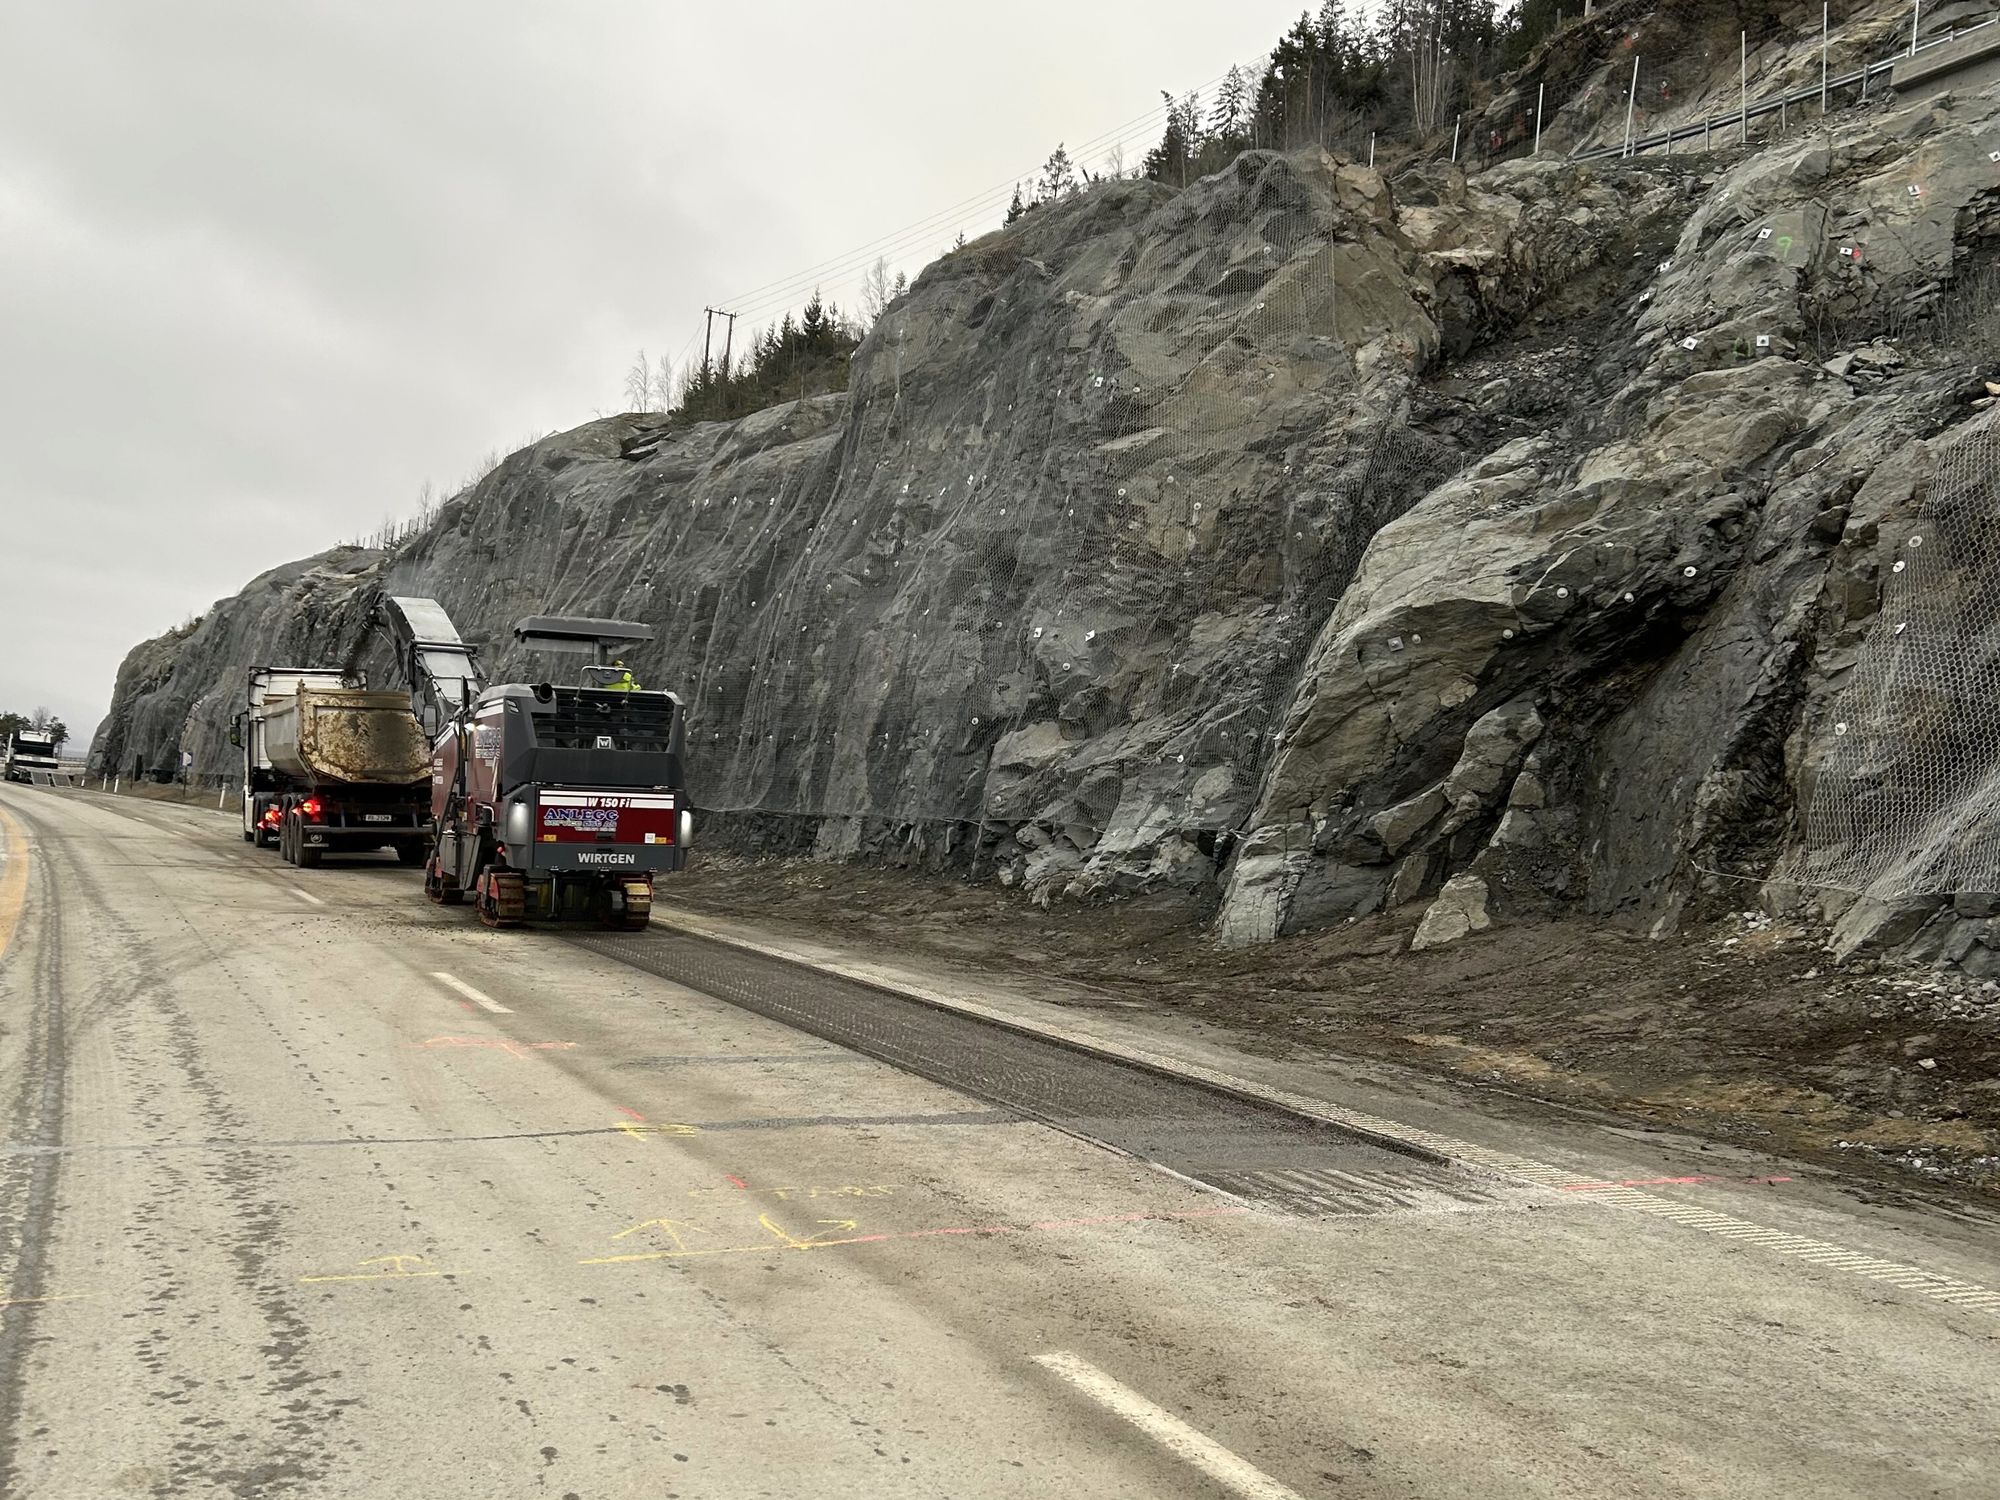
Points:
[(267, 266)]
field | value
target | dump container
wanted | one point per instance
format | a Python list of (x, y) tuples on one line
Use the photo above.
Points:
[(347, 735)]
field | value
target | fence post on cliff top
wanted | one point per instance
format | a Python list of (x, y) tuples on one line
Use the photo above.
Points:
[(1631, 100), (1743, 89)]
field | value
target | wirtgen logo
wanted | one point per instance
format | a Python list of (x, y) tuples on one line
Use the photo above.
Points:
[(607, 859)]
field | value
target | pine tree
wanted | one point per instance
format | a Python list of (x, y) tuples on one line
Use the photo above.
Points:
[(1058, 176), (1331, 28), (815, 325), (1191, 124), (1168, 161), (1017, 207), (1232, 103)]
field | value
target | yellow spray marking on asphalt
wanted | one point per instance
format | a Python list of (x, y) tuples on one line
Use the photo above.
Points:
[(639, 1131), (13, 877), (6, 1301), (834, 1232), (400, 1270), (674, 1229), (785, 1194)]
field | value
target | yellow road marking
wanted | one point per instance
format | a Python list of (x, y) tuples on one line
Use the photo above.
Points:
[(13, 878)]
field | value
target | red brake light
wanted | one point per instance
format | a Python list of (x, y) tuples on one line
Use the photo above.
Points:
[(271, 817), (310, 808)]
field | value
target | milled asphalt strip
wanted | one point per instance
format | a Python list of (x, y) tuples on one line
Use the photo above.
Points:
[(1189, 1444), (1947, 1289)]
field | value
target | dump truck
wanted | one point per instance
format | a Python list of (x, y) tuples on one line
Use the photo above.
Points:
[(330, 766), (548, 802), (30, 753)]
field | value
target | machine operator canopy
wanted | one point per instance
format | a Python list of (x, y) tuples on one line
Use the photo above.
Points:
[(579, 634)]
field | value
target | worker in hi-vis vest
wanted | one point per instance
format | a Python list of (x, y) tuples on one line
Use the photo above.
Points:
[(621, 679)]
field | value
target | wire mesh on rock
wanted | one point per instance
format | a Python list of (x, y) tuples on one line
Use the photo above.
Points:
[(1069, 584), (1906, 800)]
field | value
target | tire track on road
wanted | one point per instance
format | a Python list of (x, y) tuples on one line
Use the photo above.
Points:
[(35, 1113)]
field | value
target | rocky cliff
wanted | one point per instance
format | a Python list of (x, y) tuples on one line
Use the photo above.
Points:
[(1307, 540)]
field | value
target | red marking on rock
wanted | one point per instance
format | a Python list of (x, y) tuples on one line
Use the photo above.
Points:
[(736, 1181), (632, 1112)]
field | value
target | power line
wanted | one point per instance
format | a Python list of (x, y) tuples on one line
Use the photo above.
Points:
[(788, 288), (965, 205)]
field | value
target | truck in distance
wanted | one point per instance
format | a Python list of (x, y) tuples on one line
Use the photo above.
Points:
[(331, 767), (31, 753)]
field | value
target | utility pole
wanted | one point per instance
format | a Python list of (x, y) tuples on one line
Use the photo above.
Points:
[(728, 338)]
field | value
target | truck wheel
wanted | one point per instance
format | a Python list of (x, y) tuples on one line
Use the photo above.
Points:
[(308, 857), (249, 835), (285, 841)]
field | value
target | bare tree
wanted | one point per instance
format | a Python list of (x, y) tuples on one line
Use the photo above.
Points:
[(639, 384), (1114, 161), (662, 398), (1430, 74), (877, 291)]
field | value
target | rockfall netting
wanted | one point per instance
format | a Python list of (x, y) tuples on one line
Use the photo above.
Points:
[(1906, 801), (1086, 605)]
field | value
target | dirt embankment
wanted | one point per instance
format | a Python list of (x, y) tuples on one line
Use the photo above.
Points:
[(1744, 1031)]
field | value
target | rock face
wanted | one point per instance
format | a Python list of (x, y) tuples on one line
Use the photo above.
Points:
[(1313, 542)]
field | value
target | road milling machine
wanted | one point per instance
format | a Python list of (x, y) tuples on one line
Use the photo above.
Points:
[(548, 802)]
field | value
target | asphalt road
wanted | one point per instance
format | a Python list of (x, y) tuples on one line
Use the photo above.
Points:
[(308, 1188)]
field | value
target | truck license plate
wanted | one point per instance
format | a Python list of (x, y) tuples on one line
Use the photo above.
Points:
[(378, 817)]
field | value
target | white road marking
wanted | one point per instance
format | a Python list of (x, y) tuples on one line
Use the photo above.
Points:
[(1169, 1431), (305, 895), (477, 997), (1195, 1182)]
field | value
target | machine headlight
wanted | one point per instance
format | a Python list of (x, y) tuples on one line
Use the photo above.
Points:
[(520, 823), (687, 827)]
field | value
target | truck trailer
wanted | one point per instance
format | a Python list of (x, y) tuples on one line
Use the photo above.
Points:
[(330, 766), (30, 753)]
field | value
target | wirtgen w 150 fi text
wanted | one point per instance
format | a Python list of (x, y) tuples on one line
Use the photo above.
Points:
[(548, 802)]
